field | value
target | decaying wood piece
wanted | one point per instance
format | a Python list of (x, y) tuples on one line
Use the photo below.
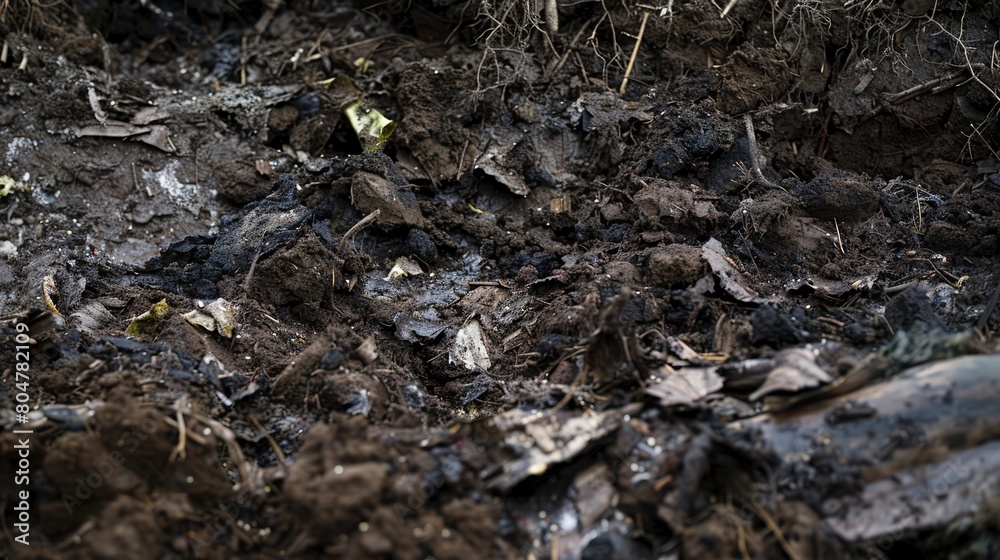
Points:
[(924, 446)]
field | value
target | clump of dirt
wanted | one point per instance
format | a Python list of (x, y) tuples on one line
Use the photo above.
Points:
[(675, 266)]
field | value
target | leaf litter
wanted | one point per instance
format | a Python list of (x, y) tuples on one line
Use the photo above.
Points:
[(515, 313)]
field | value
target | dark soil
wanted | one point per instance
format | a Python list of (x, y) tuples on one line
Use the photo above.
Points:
[(546, 320)]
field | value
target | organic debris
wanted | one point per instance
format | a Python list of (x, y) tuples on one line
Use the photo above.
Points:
[(522, 280), (146, 323), (217, 315)]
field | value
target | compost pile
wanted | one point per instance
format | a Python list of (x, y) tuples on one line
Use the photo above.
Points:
[(406, 280)]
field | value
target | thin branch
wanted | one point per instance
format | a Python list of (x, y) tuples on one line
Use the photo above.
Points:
[(755, 157), (362, 224), (635, 51)]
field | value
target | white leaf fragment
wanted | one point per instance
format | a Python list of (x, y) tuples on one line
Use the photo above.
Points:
[(469, 348), (216, 315)]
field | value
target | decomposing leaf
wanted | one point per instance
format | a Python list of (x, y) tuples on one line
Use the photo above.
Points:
[(114, 129), (148, 115), (403, 267), (831, 288), (217, 316), (595, 494), (157, 137), (363, 64), (943, 492), (539, 441), (729, 278), (95, 105), (469, 348), (795, 369), (146, 322), (493, 163), (685, 352), (366, 351), (396, 204), (371, 126), (560, 204), (685, 386), (49, 289), (9, 185), (424, 324), (89, 319)]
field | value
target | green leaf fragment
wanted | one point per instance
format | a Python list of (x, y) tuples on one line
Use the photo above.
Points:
[(9, 185), (146, 323), (371, 126)]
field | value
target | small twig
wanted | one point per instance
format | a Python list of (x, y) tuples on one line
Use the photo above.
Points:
[(253, 267), (890, 290), (570, 48), (583, 71), (821, 149), (268, 317), (552, 16), (635, 51), (243, 60), (461, 161), (937, 85), (728, 7), (776, 531), (274, 445), (48, 289), (840, 240), (831, 321), (476, 283), (920, 212), (135, 179), (741, 542), (362, 224), (95, 106), (180, 450), (235, 452), (368, 41), (755, 156)]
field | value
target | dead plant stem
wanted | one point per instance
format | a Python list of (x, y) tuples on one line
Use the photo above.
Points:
[(362, 224), (755, 156), (635, 51)]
